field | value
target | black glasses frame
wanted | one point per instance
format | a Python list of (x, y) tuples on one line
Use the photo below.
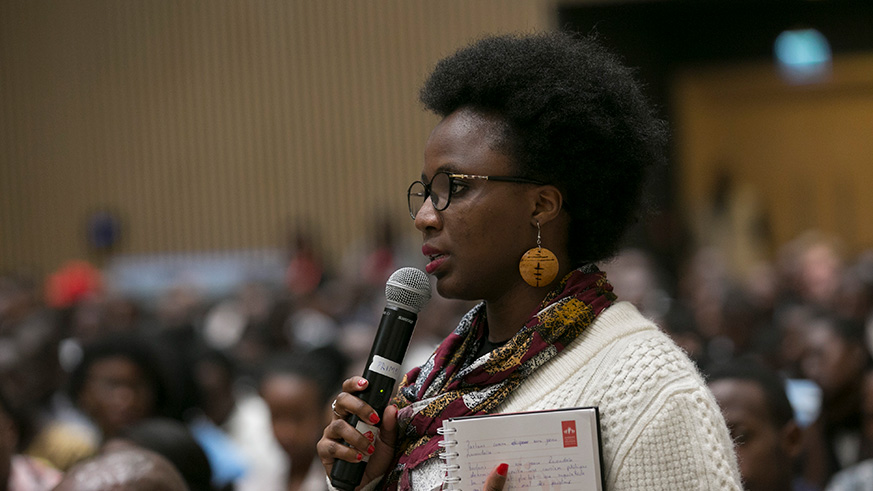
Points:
[(452, 177)]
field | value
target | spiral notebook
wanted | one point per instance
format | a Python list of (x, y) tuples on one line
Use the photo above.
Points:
[(558, 450)]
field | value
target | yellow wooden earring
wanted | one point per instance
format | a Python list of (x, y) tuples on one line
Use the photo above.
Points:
[(538, 266)]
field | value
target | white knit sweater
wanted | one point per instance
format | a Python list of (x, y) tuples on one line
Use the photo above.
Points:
[(661, 427)]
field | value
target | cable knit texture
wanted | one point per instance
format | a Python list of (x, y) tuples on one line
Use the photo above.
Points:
[(660, 425)]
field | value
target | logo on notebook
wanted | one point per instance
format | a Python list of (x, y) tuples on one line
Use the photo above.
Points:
[(568, 428)]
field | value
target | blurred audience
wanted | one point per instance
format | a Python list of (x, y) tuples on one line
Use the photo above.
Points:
[(249, 375), (807, 316)]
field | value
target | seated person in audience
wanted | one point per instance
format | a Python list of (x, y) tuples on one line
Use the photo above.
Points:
[(859, 477), (130, 469), (297, 388), (173, 441), (19, 472), (835, 358), (233, 426), (761, 420), (116, 384)]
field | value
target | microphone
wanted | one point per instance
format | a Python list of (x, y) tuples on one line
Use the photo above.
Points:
[(406, 292)]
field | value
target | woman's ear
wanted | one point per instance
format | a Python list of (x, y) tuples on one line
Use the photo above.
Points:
[(548, 204)]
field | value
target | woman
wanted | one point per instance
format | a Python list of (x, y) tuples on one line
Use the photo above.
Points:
[(543, 146), (118, 382), (297, 390)]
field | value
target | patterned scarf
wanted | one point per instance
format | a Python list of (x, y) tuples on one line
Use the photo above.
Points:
[(453, 382)]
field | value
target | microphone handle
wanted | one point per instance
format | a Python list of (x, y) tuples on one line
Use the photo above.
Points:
[(382, 372)]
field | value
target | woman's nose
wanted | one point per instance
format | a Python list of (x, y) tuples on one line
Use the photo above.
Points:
[(427, 216)]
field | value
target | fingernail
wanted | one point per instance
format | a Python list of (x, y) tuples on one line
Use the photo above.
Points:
[(370, 436), (502, 469), (359, 457), (362, 383), (371, 449), (374, 418)]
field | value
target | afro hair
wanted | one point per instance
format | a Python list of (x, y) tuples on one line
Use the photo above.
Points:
[(574, 116)]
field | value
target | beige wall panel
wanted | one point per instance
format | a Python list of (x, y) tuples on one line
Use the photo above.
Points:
[(806, 150), (216, 125)]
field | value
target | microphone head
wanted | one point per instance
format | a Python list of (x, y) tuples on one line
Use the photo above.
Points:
[(408, 289)]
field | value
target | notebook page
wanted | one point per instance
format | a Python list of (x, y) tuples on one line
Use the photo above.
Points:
[(549, 450)]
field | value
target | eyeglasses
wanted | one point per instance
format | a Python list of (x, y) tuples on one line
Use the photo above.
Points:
[(444, 185)]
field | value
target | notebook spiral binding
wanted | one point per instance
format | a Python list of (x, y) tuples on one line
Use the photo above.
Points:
[(448, 456)]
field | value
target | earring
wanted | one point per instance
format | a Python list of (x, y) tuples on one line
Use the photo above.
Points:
[(538, 266)]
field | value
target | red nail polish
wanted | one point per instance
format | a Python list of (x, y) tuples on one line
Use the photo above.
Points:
[(370, 436), (374, 418), (502, 469), (362, 383), (359, 457), (371, 449)]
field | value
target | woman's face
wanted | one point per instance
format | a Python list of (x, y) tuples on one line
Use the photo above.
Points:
[(297, 417), (474, 245), (763, 448), (830, 361), (117, 394)]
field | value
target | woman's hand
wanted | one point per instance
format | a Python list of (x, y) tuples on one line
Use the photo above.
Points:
[(380, 449), (496, 480)]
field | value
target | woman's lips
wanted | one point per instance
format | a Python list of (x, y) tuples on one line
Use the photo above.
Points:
[(435, 263), (436, 258)]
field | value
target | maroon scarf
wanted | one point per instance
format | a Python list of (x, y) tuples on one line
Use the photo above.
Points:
[(453, 382)]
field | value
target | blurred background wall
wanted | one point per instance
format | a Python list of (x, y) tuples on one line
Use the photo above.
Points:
[(218, 126), (228, 126), (800, 157)]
